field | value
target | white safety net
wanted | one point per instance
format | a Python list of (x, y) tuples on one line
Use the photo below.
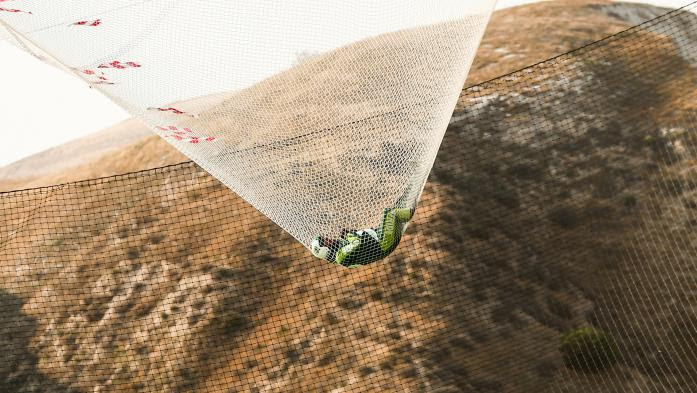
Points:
[(324, 115)]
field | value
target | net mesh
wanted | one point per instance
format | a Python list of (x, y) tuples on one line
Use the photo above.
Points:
[(553, 251), (320, 114)]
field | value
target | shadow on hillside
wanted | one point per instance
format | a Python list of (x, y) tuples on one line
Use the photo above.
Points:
[(18, 364)]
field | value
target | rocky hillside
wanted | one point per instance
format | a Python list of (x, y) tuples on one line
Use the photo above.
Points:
[(563, 196)]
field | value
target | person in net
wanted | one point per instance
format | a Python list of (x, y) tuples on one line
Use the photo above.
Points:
[(361, 247)]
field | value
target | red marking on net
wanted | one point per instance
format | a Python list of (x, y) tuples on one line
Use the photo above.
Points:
[(93, 23), (173, 110), (101, 78), (174, 132), (119, 65), (13, 10)]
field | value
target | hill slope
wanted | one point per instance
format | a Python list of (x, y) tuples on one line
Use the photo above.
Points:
[(530, 226)]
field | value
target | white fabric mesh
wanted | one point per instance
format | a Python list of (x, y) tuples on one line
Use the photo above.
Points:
[(319, 113)]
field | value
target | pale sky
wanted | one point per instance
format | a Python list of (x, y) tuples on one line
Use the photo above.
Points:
[(42, 107)]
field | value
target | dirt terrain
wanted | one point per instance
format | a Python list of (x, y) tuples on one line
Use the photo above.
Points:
[(530, 226)]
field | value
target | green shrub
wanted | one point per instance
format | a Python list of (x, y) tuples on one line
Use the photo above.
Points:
[(588, 349)]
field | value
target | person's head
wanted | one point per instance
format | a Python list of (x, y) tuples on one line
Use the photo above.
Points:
[(320, 247)]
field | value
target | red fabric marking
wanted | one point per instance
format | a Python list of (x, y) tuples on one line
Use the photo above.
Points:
[(118, 65), (176, 134), (170, 109), (13, 10), (101, 79), (96, 22)]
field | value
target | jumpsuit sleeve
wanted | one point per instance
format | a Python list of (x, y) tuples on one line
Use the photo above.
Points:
[(393, 220), (352, 241)]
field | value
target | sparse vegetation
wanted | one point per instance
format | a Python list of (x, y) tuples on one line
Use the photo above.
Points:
[(671, 185), (526, 171), (559, 307), (123, 232), (365, 371), (133, 253), (504, 261), (232, 323), (629, 201), (156, 238), (604, 185), (599, 211), (564, 216), (351, 304), (194, 195), (589, 349)]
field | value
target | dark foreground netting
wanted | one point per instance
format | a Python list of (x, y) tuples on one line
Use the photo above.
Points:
[(553, 250)]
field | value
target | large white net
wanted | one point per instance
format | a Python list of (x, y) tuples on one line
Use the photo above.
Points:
[(324, 115)]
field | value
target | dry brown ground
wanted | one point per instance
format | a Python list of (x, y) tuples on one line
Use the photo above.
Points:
[(303, 335)]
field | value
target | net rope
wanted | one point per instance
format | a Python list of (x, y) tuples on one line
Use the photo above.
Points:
[(553, 251)]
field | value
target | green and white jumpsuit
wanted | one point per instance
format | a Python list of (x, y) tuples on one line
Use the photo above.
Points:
[(366, 245)]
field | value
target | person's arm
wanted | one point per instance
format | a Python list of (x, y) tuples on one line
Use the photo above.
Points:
[(393, 220), (353, 241)]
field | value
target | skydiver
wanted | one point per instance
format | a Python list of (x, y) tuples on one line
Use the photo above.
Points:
[(361, 247)]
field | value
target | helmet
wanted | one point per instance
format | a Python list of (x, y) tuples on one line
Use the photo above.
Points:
[(318, 247)]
